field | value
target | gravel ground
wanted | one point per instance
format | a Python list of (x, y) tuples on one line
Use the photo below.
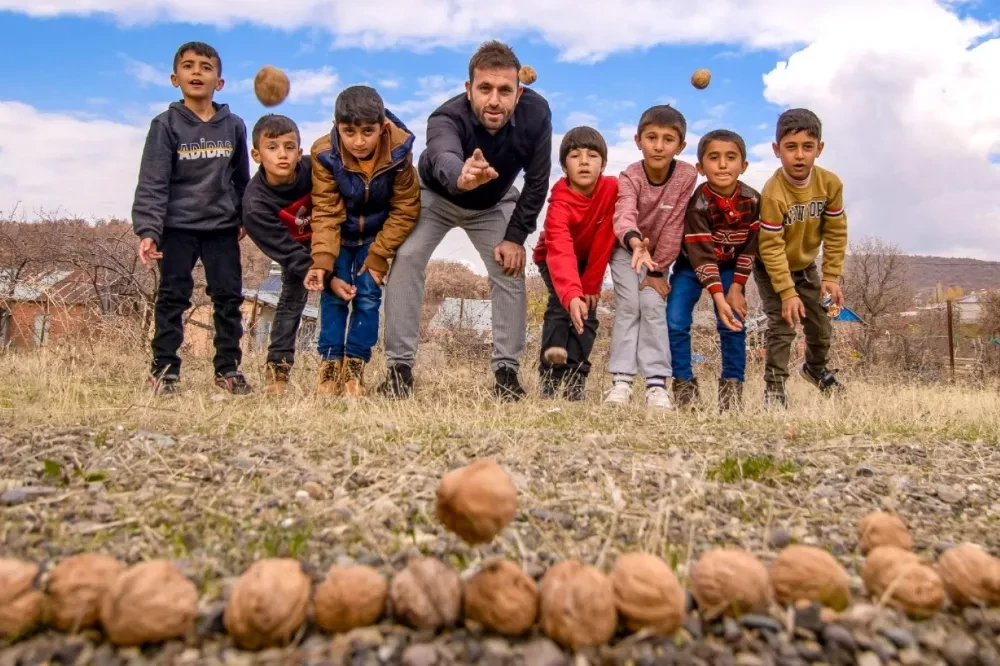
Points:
[(216, 503)]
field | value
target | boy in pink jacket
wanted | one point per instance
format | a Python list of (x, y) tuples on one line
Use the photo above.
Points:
[(653, 194)]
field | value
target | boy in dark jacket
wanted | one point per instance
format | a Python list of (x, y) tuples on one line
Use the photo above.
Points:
[(187, 206), (572, 256), (366, 200), (277, 206), (720, 243)]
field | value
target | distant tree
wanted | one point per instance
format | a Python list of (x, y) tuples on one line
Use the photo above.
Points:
[(875, 280)]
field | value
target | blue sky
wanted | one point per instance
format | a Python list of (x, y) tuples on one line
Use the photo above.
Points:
[(76, 104)]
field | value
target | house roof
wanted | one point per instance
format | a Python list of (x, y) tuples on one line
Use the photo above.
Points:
[(55, 284), (464, 313), (270, 298)]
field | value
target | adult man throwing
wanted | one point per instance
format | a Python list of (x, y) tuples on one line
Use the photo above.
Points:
[(477, 144)]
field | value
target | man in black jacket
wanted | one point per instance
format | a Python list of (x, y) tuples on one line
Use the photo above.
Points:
[(477, 145)]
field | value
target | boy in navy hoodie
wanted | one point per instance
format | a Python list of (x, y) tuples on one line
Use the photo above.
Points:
[(188, 206), (277, 207)]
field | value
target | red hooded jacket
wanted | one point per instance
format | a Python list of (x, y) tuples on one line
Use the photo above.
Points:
[(578, 229)]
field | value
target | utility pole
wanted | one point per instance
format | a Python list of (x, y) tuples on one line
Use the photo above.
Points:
[(951, 343)]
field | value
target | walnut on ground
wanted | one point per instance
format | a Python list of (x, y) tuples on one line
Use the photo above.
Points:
[(150, 602), (900, 579), (75, 589), (502, 597), (647, 593), (269, 604), (350, 597), (812, 574), (577, 605), (730, 581), (882, 529), (426, 595), (21, 603), (971, 576)]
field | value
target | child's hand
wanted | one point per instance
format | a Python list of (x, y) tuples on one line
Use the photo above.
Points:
[(659, 284), (792, 311), (242, 234), (725, 311), (736, 300), (314, 279), (836, 294), (342, 289), (378, 276), (148, 252), (640, 255), (592, 301), (577, 313)]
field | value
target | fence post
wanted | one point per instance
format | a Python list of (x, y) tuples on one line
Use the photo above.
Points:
[(951, 343)]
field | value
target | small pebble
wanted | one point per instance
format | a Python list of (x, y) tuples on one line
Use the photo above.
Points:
[(869, 659), (731, 630), (763, 622), (960, 650), (747, 659), (840, 636), (808, 617), (543, 652), (901, 638), (910, 657), (420, 655), (780, 538)]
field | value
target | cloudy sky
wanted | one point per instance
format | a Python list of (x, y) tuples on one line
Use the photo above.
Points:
[(908, 90)]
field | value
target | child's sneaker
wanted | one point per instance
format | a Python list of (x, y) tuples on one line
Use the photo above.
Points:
[(398, 383), (548, 385), (233, 382), (730, 394), (826, 382), (686, 391), (657, 397), (576, 387), (620, 394), (354, 384), (775, 398), (330, 380), (277, 376), (165, 384)]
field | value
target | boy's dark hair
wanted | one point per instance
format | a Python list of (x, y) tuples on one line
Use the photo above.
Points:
[(663, 115), (798, 120), (493, 55), (199, 48), (272, 126), (359, 105), (721, 135), (583, 137)]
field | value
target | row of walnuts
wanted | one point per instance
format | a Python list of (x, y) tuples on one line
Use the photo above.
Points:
[(575, 604)]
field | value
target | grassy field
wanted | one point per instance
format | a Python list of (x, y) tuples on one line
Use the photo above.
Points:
[(216, 481)]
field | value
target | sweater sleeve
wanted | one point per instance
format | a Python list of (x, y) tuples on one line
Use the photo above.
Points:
[(744, 262), (771, 245), (560, 257), (272, 237), (598, 259), (626, 219), (241, 164), (149, 208), (524, 219), (444, 151), (834, 233), (328, 214), (700, 245)]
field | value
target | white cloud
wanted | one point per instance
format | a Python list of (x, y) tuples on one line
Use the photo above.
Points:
[(578, 118), (388, 84), (145, 74)]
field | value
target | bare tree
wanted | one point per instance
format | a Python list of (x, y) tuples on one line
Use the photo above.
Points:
[(875, 279)]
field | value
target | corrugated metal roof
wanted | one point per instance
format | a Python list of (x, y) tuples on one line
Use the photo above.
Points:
[(30, 288), (270, 298)]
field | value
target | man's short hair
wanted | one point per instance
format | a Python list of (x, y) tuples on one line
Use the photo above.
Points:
[(663, 115), (721, 135), (359, 105), (272, 126), (493, 55), (584, 137), (198, 48), (798, 120)]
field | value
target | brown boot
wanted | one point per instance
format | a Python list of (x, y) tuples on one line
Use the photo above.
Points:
[(330, 381), (354, 383), (730, 394), (277, 378), (686, 392)]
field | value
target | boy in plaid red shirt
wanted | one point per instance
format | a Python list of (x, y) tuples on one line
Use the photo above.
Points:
[(720, 243)]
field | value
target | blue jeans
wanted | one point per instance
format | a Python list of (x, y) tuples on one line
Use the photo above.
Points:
[(685, 290), (362, 332)]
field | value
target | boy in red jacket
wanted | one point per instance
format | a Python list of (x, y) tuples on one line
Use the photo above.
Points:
[(572, 256)]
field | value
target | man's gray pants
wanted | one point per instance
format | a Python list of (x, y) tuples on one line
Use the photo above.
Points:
[(639, 339), (404, 293)]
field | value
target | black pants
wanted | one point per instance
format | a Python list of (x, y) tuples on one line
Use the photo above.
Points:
[(287, 316), (220, 255), (558, 331)]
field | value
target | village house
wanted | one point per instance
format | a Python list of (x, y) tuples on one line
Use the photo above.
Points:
[(41, 307)]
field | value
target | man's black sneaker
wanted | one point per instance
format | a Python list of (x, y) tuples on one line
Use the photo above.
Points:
[(165, 384), (398, 383), (576, 387), (233, 382), (826, 382), (507, 386)]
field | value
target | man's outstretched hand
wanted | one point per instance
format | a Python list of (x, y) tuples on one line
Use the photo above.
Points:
[(475, 172), (510, 256)]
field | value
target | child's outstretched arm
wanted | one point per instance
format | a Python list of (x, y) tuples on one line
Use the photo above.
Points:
[(329, 212), (404, 211)]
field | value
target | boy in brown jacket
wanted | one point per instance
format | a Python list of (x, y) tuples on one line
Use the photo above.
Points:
[(366, 201)]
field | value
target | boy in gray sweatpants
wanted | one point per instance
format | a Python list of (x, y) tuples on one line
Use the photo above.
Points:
[(648, 223)]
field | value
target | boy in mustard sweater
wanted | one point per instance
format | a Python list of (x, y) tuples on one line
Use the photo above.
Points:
[(802, 210)]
